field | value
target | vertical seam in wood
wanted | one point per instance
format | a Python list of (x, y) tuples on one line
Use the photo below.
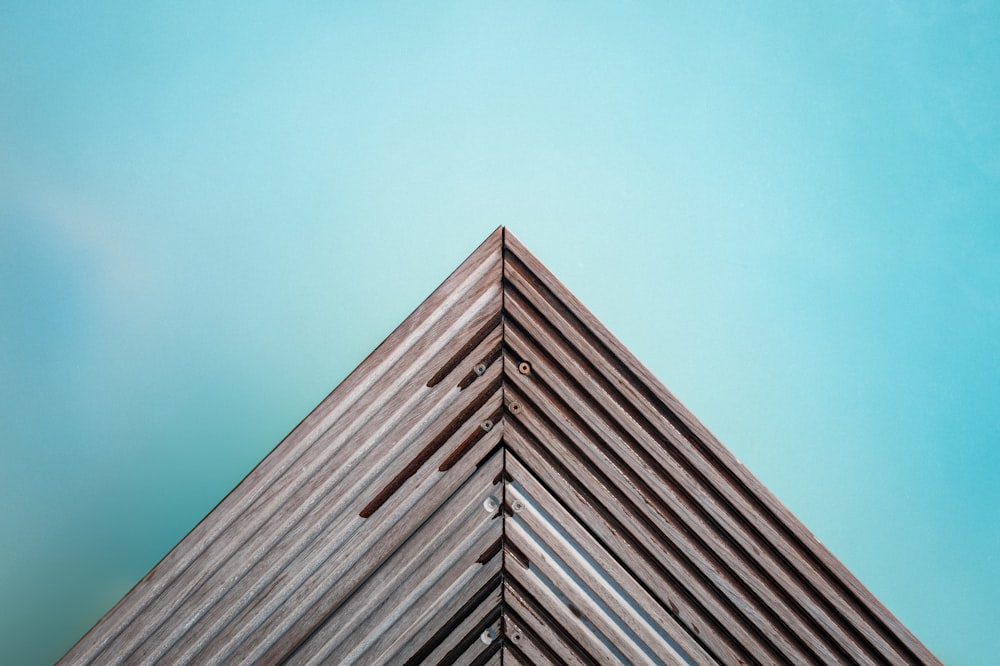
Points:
[(503, 444)]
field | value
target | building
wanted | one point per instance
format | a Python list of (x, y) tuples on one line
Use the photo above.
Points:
[(500, 481)]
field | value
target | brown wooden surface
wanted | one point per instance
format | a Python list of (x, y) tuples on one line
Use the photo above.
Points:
[(623, 530)]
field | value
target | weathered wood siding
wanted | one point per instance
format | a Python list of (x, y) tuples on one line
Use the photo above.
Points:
[(500, 481), (661, 545)]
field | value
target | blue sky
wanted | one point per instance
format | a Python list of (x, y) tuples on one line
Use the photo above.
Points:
[(790, 213)]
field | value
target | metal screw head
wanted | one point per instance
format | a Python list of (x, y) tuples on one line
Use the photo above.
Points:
[(516, 636), (514, 407), (487, 425), (517, 506), (481, 369), (487, 636), (490, 504), (524, 368)]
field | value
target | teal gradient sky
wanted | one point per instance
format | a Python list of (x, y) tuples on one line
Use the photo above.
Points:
[(790, 213)]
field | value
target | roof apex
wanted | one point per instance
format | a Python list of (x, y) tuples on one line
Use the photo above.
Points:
[(500, 479)]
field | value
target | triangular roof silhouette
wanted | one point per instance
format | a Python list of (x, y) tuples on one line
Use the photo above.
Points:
[(500, 481)]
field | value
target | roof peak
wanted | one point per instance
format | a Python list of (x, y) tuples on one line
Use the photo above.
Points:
[(500, 479)]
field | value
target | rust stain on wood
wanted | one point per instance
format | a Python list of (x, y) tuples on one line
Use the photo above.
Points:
[(462, 354), (425, 454)]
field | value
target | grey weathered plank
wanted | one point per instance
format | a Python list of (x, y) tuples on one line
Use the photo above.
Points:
[(460, 620), (577, 599), (525, 616)]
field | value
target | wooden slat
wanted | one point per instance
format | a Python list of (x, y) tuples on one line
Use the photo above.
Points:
[(477, 651)]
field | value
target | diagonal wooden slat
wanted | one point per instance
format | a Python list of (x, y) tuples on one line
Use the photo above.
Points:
[(501, 481)]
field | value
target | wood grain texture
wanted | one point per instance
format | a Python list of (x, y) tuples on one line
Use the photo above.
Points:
[(500, 481), (826, 609)]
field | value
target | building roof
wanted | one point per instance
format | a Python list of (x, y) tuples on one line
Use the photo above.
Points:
[(500, 481)]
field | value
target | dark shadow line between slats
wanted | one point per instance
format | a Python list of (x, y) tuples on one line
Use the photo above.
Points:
[(511, 647), (486, 655), (539, 609), (833, 578), (425, 454), (687, 598), (472, 638), (466, 349), (516, 554), (535, 639), (441, 634), (668, 479), (486, 362), (491, 551), (452, 458), (498, 447)]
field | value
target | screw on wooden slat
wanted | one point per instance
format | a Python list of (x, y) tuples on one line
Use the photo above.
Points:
[(524, 368), (491, 504), (516, 636), (487, 636), (517, 505), (514, 407), (481, 369), (487, 425)]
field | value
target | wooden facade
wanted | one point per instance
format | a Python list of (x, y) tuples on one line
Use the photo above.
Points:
[(501, 481)]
